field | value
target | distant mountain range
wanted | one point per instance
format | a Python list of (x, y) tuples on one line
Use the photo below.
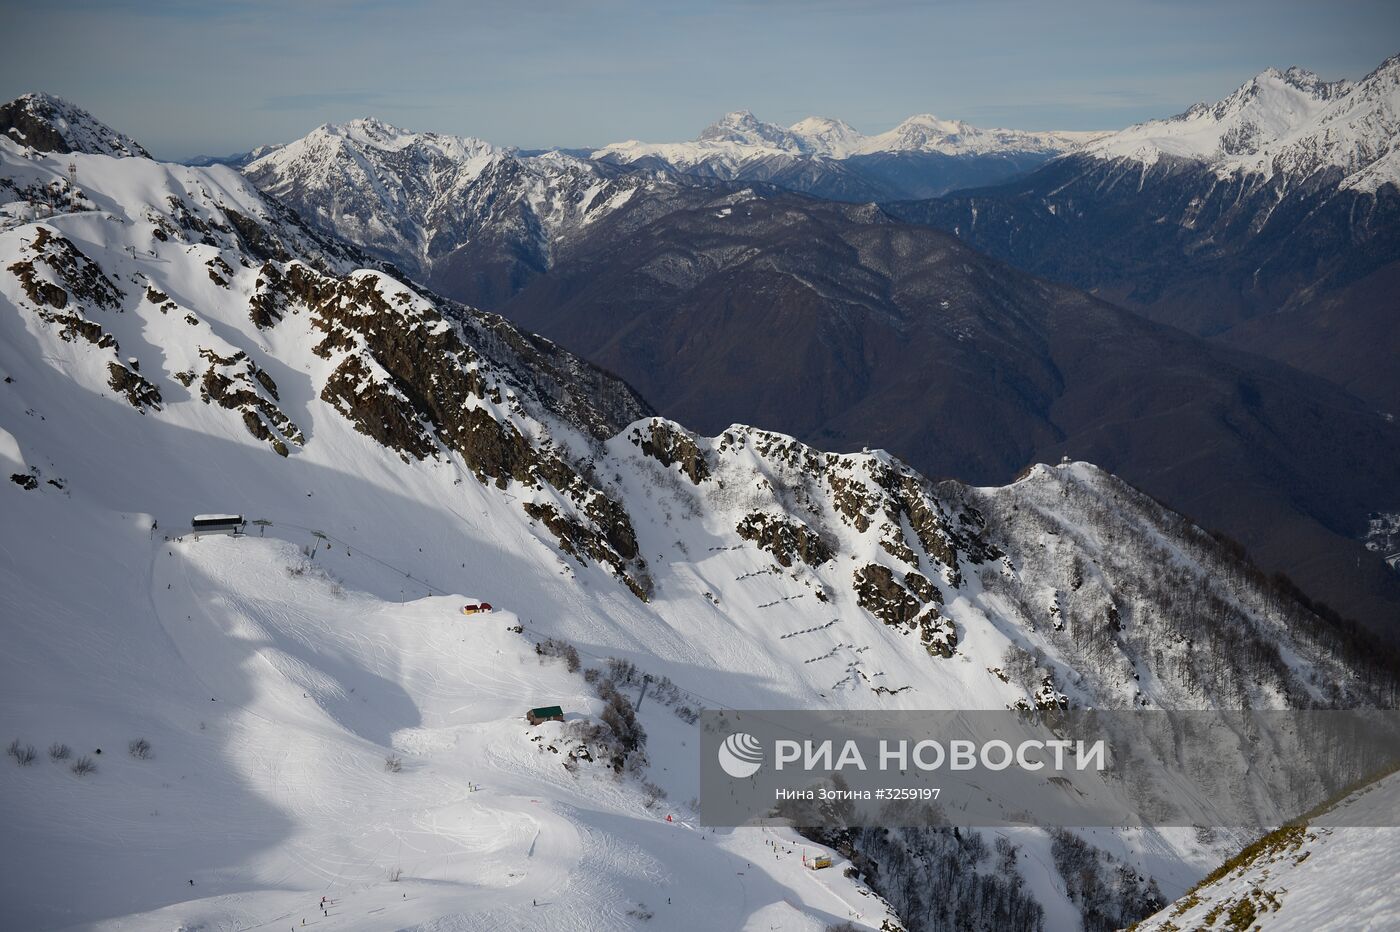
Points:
[(470, 219), (1264, 222), (1269, 221), (921, 157), (740, 135), (478, 221), (235, 160)]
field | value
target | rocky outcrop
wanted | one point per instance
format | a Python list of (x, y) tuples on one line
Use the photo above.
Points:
[(911, 607), (126, 381), (219, 271), (237, 383), (407, 379), (787, 540), (74, 275), (666, 443)]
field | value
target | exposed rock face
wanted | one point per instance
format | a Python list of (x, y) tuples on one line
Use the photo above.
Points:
[(236, 383), (663, 442), (405, 377), (75, 274), (883, 597), (912, 606), (586, 542), (902, 498), (588, 399), (806, 508), (786, 540), (128, 382), (271, 296), (60, 283), (219, 271)]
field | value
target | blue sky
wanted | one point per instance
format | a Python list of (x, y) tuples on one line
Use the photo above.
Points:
[(187, 77)]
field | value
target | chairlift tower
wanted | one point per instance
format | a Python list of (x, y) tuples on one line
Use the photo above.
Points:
[(72, 185)]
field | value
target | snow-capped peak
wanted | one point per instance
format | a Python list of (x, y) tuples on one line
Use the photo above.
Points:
[(371, 133), (1288, 122), (834, 138), (1269, 105), (52, 124), (927, 122), (743, 128), (925, 131), (415, 197), (740, 135)]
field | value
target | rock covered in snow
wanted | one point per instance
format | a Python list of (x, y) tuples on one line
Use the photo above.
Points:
[(470, 219), (1289, 123), (51, 124)]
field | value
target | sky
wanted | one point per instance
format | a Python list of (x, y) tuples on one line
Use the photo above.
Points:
[(190, 77)]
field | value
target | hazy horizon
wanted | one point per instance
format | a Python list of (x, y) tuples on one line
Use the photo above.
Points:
[(240, 74)]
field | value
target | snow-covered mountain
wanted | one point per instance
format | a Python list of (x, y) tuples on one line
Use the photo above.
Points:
[(921, 157), (50, 124), (477, 222), (740, 136), (1269, 220), (1289, 123), (466, 217), (323, 722)]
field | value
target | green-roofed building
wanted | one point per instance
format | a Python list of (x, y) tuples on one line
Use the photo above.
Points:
[(545, 713)]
